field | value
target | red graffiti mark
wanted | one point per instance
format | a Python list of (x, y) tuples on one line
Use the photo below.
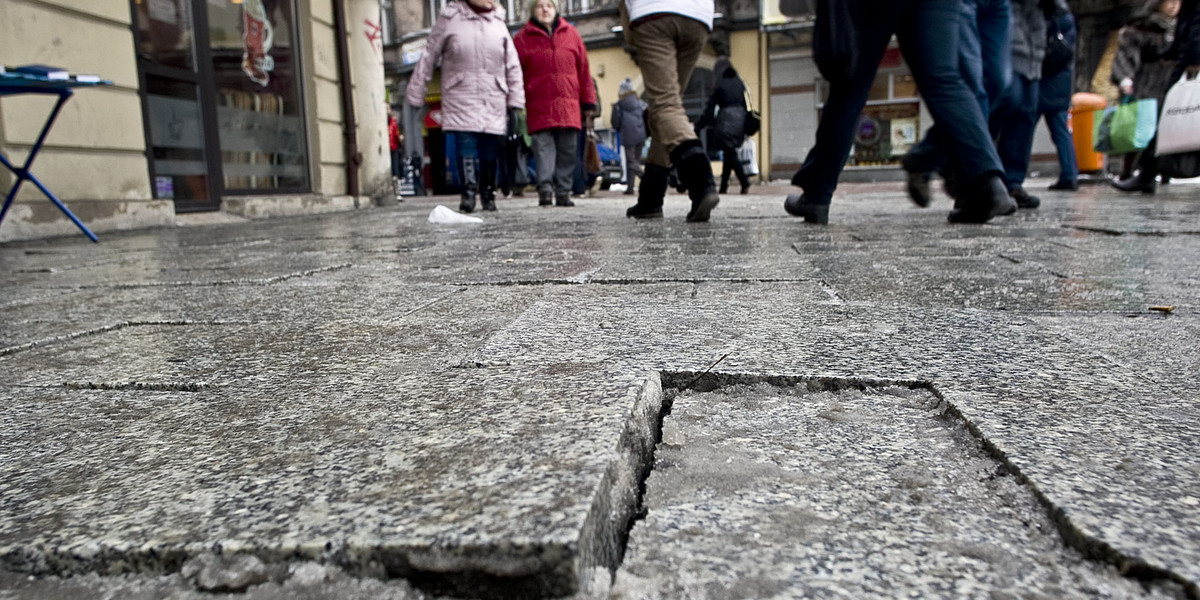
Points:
[(375, 34)]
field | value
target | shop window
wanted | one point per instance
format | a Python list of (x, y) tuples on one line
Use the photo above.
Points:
[(260, 124), (890, 122)]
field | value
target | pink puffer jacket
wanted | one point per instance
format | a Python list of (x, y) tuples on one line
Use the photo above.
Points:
[(481, 75)]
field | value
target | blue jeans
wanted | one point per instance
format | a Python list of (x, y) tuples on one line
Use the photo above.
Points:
[(1012, 124), (928, 31), (476, 155), (985, 60), (1064, 145)]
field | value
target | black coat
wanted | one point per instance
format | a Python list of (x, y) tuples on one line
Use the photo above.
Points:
[(728, 101), (1187, 34)]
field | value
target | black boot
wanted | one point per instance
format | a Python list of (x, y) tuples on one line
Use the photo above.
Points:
[(1137, 183), (545, 196), (695, 173), (650, 194), (800, 206), (487, 186), (468, 170), (979, 203)]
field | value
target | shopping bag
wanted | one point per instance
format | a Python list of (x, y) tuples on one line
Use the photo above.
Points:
[(591, 155), (746, 156), (1180, 127), (1133, 125), (1128, 127)]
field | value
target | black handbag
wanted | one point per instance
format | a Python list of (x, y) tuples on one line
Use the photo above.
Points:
[(835, 41), (1059, 54), (753, 121)]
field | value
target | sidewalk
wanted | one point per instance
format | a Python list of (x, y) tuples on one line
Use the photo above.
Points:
[(373, 406)]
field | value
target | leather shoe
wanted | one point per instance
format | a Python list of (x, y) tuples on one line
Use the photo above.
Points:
[(1068, 186), (1136, 184), (918, 188), (798, 205), (639, 211), (1024, 200), (979, 205)]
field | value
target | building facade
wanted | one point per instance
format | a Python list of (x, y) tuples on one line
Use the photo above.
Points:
[(253, 107)]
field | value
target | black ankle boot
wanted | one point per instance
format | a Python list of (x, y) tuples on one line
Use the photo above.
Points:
[(800, 206), (468, 170), (695, 173), (651, 192), (979, 203)]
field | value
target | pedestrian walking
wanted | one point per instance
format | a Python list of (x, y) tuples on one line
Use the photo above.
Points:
[(1144, 64), (629, 119), (481, 79), (669, 36), (560, 95), (929, 35), (396, 144), (1054, 97), (1014, 119), (728, 103), (985, 62)]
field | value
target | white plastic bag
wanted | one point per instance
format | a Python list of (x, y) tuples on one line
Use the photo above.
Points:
[(746, 155), (444, 216), (1179, 125)]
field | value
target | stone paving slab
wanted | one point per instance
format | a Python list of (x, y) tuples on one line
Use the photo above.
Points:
[(296, 363)]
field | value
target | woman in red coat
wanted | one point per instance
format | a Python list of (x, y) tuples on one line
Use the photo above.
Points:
[(559, 97)]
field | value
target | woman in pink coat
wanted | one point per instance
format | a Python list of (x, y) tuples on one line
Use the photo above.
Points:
[(481, 78), (560, 96)]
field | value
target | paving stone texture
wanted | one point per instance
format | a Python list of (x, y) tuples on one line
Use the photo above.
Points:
[(563, 402)]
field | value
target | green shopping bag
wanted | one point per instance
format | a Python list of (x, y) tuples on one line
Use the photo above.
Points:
[(1126, 128)]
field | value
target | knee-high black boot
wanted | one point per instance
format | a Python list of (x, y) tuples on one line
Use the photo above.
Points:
[(695, 173), (651, 192), (487, 184), (468, 169)]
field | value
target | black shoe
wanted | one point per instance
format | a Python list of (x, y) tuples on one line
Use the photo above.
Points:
[(563, 200), (545, 197), (630, 191), (695, 173), (1137, 184), (918, 187), (1024, 200), (1067, 186), (799, 206), (745, 189), (467, 204), (488, 205), (649, 205), (979, 205), (724, 189), (950, 182), (1164, 180)]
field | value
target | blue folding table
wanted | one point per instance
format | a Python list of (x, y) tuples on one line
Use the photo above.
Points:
[(12, 84)]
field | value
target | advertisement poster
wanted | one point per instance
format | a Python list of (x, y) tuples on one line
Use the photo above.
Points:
[(780, 12)]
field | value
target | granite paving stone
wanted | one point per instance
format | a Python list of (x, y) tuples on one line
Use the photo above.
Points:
[(364, 404)]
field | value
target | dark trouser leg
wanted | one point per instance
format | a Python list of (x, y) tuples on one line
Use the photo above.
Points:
[(835, 133), (1064, 144), (489, 157), (566, 161), (929, 37), (468, 168), (733, 162), (1014, 130)]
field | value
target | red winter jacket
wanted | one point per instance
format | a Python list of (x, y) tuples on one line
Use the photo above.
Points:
[(558, 82)]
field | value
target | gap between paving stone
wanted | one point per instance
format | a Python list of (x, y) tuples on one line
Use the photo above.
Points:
[(705, 530)]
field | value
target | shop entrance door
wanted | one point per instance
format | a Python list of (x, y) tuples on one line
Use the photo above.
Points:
[(181, 142)]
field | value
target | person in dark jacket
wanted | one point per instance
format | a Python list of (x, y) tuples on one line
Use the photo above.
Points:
[(1054, 102), (629, 119), (1186, 50), (1141, 68), (559, 97), (728, 102)]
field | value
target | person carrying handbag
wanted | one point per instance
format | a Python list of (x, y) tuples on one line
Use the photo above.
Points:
[(728, 101)]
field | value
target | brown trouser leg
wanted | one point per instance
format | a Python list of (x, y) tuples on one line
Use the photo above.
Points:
[(667, 51)]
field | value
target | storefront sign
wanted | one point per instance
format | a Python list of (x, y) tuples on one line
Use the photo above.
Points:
[(433, 119), (410, 52)]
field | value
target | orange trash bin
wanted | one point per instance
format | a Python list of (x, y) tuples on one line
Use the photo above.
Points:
[(1082, 121)]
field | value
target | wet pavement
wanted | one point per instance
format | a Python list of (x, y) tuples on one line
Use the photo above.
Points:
[(368, 405)]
